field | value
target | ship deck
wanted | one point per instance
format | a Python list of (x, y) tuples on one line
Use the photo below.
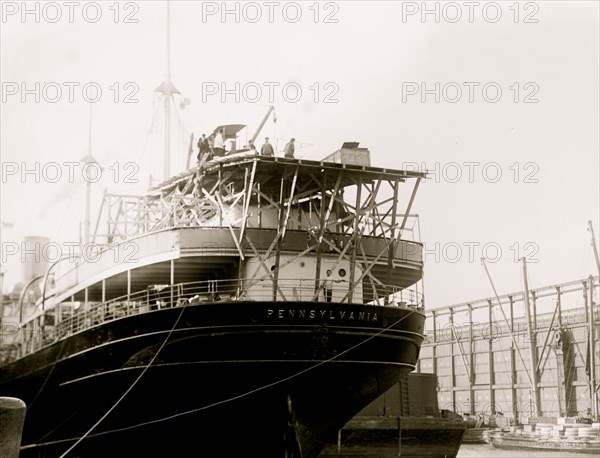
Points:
[(269, 167)]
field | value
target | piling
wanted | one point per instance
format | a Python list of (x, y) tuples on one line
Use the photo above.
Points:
[(12, 418)]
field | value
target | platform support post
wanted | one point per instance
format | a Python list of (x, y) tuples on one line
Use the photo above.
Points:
[(12, 418)]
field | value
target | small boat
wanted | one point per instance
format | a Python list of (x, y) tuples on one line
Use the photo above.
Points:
[(572, 438)]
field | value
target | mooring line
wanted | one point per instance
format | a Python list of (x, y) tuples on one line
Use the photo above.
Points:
[(199, 409), (128, 389)]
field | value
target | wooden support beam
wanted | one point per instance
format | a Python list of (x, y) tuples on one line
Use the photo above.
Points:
[(217, 200), (369, 267), (252, 282), (492, 379), (355, 242), (284, 216), (545, 348), (320, 238), (409, 207), (532, 346), (248, 190), (392, 250)]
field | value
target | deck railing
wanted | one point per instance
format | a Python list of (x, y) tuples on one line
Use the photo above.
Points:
[(65, 320)]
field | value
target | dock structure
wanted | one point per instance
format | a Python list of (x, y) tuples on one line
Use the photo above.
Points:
[(12, 417), (482, 354)]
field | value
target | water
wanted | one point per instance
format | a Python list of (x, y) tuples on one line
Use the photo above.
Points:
[(465, 451), (488, 451)]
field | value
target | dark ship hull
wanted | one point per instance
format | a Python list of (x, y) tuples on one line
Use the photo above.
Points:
[(404, 421), (219, 379), (414, 437)]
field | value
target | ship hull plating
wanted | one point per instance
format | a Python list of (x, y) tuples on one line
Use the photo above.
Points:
[(221, 379)]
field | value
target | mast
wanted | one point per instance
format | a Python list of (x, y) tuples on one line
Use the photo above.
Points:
[(591, 229), (591, 336), (532, 343), (168, 47), (591, 353), (167, 89), (508, 324), (167, 158), (88, 184)]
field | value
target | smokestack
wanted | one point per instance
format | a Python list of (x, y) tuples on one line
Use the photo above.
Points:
[(33, 262)]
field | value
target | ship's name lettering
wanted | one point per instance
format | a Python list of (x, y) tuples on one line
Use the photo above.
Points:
[(321, 314)]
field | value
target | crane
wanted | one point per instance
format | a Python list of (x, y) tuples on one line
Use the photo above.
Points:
[(262, 123)]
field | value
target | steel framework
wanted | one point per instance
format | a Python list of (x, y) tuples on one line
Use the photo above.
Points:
[(348, 213), (482, 362)]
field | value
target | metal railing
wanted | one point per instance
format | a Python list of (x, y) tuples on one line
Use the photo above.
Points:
[(48, 328)]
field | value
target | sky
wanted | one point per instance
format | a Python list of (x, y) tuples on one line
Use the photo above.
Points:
[(499, 101)]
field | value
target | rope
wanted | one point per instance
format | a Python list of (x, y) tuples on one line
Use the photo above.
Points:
[(62, 346), (187, 412), (129, 389), (150, 129), (67, 208)]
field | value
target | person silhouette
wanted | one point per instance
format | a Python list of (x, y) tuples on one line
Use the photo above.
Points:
[(219, 143), (328, 286), (267, 148), (289, 149)]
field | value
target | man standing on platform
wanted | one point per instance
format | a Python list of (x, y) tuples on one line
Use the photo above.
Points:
[(219, 144), (267, 149), (203, 147), (328, 286), (251, 147), (289, 149)]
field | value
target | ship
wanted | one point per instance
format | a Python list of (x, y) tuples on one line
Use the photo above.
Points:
[(549, 434), (247, 305)]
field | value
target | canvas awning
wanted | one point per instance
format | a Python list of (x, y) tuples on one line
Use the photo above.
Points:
[(229, 130)]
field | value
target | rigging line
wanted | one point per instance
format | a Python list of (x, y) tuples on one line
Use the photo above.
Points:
[(178, 114), (67, 208), (128, 389), (62, 346), (234, 398), (502, 352), (58, 426), (185, 133), (584, 259), (150, 130)]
